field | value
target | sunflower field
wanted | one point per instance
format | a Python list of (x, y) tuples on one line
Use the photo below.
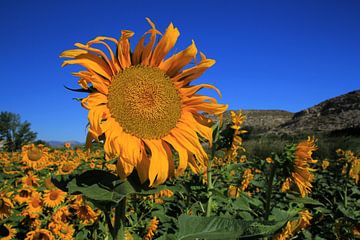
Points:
[(155, 167)]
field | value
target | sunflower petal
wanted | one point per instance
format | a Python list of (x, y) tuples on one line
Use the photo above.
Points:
[(175, 63), (165, 44)]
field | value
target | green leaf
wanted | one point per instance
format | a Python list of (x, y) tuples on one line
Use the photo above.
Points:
[(304, 200), (191, 227), (100, 187)]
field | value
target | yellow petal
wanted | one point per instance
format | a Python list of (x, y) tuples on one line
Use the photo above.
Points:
[(175, 63), (165, 44), (188, 75), (123, 49), (159, 163), (93, 100)]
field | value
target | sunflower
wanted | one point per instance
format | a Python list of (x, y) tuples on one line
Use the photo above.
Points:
[(7, 232), (35, 157), (53, 197), (143, 104), (66, 167), (39, 234), (30, 180), (24, 194), (153, 226), (61, 215), (86, 214), (6, 204), (34, 205), (301, 173), (63, 230), (295, 226)]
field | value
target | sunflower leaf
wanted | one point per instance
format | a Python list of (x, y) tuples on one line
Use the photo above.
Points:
[(192, 227)]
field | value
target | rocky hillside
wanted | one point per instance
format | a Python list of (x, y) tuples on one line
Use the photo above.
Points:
[(336, 115)]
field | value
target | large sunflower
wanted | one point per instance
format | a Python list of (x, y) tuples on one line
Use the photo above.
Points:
[(301, 173), (143, 104)]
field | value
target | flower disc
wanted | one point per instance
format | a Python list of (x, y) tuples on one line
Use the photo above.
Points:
[(144, 101), (34, 154)]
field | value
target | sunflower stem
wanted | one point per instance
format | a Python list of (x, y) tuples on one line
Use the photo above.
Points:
[(269, 191), (209, 181), (120, 210)]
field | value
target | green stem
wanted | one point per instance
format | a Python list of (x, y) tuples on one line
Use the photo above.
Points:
[(345, 195), (269, 191), (209, 181), (120, 210)]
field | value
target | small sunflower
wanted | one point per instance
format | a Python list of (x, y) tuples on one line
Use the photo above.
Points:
[(144, 104), (86, 214), (66, 167), (35, 157), (61, 215), (30, 180), (6, 204), (39, 234), (53, 197), (154, 222), (24, 194), (7, 232), (34, 205), (295, 226)]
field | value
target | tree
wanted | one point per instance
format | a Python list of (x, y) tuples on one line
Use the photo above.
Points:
[(13, 132)]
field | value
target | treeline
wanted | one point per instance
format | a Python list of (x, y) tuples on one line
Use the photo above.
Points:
[(14, 133)]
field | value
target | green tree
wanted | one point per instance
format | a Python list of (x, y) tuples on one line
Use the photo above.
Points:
[(13, 132)]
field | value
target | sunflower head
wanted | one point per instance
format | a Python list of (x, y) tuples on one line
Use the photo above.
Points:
[(296, 166), (54, 197), (39, 234), (35, 157), (143, 105), (7, 232)]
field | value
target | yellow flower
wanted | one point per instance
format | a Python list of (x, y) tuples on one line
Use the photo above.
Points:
[(286, 185), (301, 174), (66, 168), (39, 234), (23, 195), (30, 180), (143, 104), (233, 191), (236, 145), (354, 171), (295, 226), (62, 230), (325, 164), (7, 232), (34, 207), (86, 214), (269, 160), (35, 157), (61, 215), (158, 197), (53, 197), (247, 177), (151, 229), (6, 205), (243, 158), (67, 145)]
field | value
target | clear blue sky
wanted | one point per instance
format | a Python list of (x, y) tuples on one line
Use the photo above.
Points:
[(270, 54)]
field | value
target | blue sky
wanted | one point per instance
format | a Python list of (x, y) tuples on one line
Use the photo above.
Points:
[(270, 54)]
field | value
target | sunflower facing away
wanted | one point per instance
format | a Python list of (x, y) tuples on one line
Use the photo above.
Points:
[(144, 104), (302, 174)]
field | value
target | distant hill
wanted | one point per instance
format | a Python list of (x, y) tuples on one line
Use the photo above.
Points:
[(335, 116), (57, 144)]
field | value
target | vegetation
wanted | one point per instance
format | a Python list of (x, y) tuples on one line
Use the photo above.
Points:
[(13, 132), (75, 194)]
